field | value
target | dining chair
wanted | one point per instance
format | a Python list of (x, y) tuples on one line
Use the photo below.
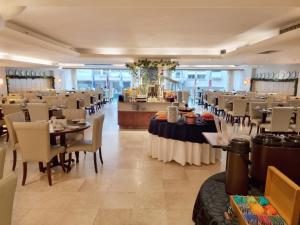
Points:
[(13, 142), (91, 145), (280, 104), (87, 103), (239, 110), (221, 105), (34, 144), (36, 100), (280, 120), (296, 127), (2, 161), (8, 186), (255, 116), (52, 101), (11, 108), (71, 103), (38, 111), (294, 103)]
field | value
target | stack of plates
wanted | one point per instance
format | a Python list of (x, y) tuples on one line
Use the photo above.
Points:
[(172, 114)]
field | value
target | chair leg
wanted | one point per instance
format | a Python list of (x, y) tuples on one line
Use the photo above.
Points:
[(100, 154), (62, 161), (77, 157), (95, 162), (257, 132), (24, 173), (69, 162), (14, 160), (251, 126), (49, 173)]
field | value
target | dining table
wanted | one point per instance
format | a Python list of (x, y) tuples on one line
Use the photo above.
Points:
[(71, 127)]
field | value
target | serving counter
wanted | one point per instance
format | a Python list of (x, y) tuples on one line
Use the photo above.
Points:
[(137, 115)]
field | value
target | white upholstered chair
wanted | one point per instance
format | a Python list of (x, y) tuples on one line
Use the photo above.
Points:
[(34, 143), (71, 102), (38, 111), (280, 120), (2, 161), (239, 109), (255, 116), (13, 142), (91, 145), (8, 186), (296, 127), (52, 101), (11, 108)]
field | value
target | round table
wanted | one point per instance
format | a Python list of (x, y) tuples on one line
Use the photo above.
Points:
[(181, 142)]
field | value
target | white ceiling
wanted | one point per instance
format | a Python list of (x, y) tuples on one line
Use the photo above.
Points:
[(117, 31)]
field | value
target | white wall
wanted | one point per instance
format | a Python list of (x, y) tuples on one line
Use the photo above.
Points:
[(63, 79), (3, 89), (280, 68), (236, 79)]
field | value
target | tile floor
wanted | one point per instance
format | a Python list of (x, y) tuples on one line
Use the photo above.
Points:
[(131, 188)]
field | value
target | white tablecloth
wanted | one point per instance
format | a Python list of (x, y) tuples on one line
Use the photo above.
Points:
[(182, 152)]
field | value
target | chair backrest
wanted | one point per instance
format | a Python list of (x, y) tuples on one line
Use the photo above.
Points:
[(71, 102), (8, 186), (51, 100), (2, 161), (11, 108), (97, 131), (221, 102), (281, 117), (252, 109), (217, 123), (38, 111), (297, 125), (34, 141), (294, 103), (9, 120), (239, 107), (35, 100), (72, 114), (87, 100), (280, 104)]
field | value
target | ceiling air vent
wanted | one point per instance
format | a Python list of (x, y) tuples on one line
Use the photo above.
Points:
[(289, 28), (268, 52)]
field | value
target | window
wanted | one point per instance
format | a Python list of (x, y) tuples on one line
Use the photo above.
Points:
[(101, 78), (191, 76)]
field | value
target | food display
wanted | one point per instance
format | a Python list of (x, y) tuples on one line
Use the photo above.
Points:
[(258, 210), (161, 115), (207, 116), (190, 118)]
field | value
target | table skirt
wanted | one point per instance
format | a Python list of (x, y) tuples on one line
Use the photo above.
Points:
[(182, 152)]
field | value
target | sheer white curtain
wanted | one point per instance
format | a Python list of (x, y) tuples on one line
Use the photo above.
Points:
[(21, 85)]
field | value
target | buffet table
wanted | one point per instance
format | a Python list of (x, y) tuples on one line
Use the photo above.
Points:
[(181, 142), (136, 115)]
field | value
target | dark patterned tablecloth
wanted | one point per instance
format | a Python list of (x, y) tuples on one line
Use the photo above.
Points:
[(212, 202), (181, 131)]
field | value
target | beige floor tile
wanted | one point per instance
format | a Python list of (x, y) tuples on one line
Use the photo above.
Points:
[(79, 217), (113, 217), (148, 217), (179, 217), (180, 200), (114, 200), (42, 217), (150, 200)]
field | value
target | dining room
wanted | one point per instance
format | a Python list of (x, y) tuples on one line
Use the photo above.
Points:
[(149, 113)]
